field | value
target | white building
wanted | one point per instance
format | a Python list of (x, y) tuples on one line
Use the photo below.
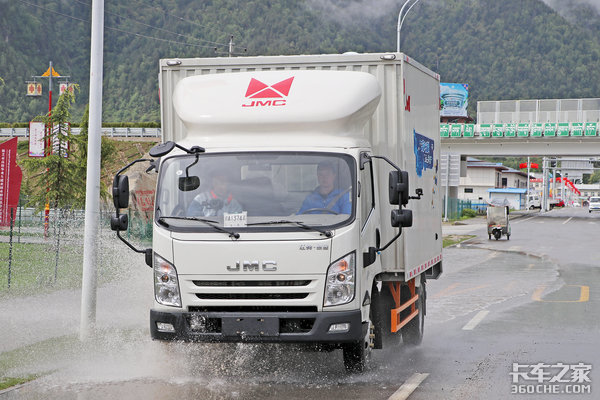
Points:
[(481, 176)]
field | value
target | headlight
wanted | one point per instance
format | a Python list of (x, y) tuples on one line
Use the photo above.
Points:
[(166, 284), (339, 288)]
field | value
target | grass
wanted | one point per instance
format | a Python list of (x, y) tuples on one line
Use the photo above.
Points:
[(30, 355), (451, 240), (33, 267), (7, 382)]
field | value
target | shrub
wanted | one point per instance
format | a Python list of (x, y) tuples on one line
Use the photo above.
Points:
[(468, 213)]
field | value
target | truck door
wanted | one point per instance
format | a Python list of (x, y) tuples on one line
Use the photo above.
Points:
[(368, 218)]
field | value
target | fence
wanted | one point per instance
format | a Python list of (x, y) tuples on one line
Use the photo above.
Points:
[(456, 207), (33, 259), (109, 132)]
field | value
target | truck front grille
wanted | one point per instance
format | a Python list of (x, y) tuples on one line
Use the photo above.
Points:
[(251, 296), (251, 283)]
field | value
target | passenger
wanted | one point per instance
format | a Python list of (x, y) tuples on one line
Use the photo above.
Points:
[(216, 201), (326, 196)]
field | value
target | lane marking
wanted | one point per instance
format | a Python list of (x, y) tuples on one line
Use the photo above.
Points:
[(522, 220), (584, 295), (475, 320), (408, 387), (570, 218), (446, 290)]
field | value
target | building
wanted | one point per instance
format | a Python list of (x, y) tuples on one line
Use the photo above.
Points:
[(515, 197), (481, 176)]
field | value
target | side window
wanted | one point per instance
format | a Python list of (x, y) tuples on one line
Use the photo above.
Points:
[(367, 199)]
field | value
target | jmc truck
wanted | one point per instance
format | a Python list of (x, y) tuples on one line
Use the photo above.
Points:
[(297, 201)]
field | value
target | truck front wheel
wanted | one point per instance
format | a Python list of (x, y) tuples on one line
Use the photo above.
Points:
[(358, 354)]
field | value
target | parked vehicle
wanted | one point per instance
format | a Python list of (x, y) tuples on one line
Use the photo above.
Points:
[(498, 222), (533, 202), (594, 204), (250, 244)]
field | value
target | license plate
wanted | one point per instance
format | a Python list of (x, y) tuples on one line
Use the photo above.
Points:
[(250, 326)]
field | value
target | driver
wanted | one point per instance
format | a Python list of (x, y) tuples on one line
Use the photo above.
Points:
[(326, 196), (217, 201)]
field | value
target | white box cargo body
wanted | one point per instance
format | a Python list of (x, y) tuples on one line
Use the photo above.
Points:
[(404, 128)]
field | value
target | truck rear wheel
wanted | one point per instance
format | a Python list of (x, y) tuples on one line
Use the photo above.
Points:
[(412, 333)]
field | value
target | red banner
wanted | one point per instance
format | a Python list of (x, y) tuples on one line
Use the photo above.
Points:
[(10, 181)]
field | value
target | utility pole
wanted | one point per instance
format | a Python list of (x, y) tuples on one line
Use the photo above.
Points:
[(92, 189)]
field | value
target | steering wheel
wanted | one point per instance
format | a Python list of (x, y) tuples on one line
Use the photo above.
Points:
[(327, 210)]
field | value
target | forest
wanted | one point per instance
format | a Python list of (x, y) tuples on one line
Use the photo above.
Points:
[(510, 49)]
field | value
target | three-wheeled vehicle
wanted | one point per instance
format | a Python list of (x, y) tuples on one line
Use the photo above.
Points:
[(497, 221)]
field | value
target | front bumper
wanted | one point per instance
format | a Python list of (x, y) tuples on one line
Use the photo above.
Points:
[(257, 327)]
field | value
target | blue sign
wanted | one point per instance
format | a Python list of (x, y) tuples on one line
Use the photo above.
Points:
[(423, 152)]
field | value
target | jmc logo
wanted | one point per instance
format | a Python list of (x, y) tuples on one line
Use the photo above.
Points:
[(260, 94), (249, 266)]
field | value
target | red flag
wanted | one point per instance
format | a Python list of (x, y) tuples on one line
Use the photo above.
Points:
[(10, 181)]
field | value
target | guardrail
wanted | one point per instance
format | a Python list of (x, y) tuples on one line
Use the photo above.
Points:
[(109, 132)]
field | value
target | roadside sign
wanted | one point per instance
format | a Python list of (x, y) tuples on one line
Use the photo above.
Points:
[(37, 141), (563, 129), (511, 130), (456, 130), (444, 130), (523, 130), (550, 129), (498, 130), (537, 129), (10, 180), (577, 129), (485, 130), (590, 128), (469, 130)]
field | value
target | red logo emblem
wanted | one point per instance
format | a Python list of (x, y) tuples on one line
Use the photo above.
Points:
[(259, 90)]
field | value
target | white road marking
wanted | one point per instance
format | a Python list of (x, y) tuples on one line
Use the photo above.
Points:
[(570, 218), (408, 387), (522, 220), (475, 320)]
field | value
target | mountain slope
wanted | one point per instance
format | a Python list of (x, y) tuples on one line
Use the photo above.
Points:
[(504, 50)]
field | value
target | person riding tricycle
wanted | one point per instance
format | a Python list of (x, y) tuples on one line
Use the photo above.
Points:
[(497, 221)]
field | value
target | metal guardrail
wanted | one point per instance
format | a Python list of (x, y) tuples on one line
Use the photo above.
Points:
[(108, 132)]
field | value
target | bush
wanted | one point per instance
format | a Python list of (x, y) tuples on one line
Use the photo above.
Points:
[(468, 213)]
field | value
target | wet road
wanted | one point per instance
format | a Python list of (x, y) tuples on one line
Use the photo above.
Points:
[(529, 300)]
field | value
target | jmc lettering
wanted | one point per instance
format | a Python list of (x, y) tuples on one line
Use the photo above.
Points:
[(265, 103), (253, 266)]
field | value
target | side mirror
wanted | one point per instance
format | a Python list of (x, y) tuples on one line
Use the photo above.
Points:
[(162, 149), (120, 191), (189, 183), (402, 218), (119, 222), (398, 187)]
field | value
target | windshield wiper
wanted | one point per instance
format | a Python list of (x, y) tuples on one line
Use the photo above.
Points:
[(208, 222), (298, 223)]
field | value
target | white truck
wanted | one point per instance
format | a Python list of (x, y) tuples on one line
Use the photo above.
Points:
[(283, 187)]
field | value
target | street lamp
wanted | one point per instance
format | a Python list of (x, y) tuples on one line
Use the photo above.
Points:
[(401, 21)]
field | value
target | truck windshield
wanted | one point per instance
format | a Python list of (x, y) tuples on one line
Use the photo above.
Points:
[(257, 191)]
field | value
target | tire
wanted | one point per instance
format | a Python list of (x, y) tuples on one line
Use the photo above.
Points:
[(497, 234), (507, 236), (412, 333), (383, 303), (489, 236), (358, 354)]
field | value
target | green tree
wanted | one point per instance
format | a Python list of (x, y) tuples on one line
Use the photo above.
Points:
[(56, 176)]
